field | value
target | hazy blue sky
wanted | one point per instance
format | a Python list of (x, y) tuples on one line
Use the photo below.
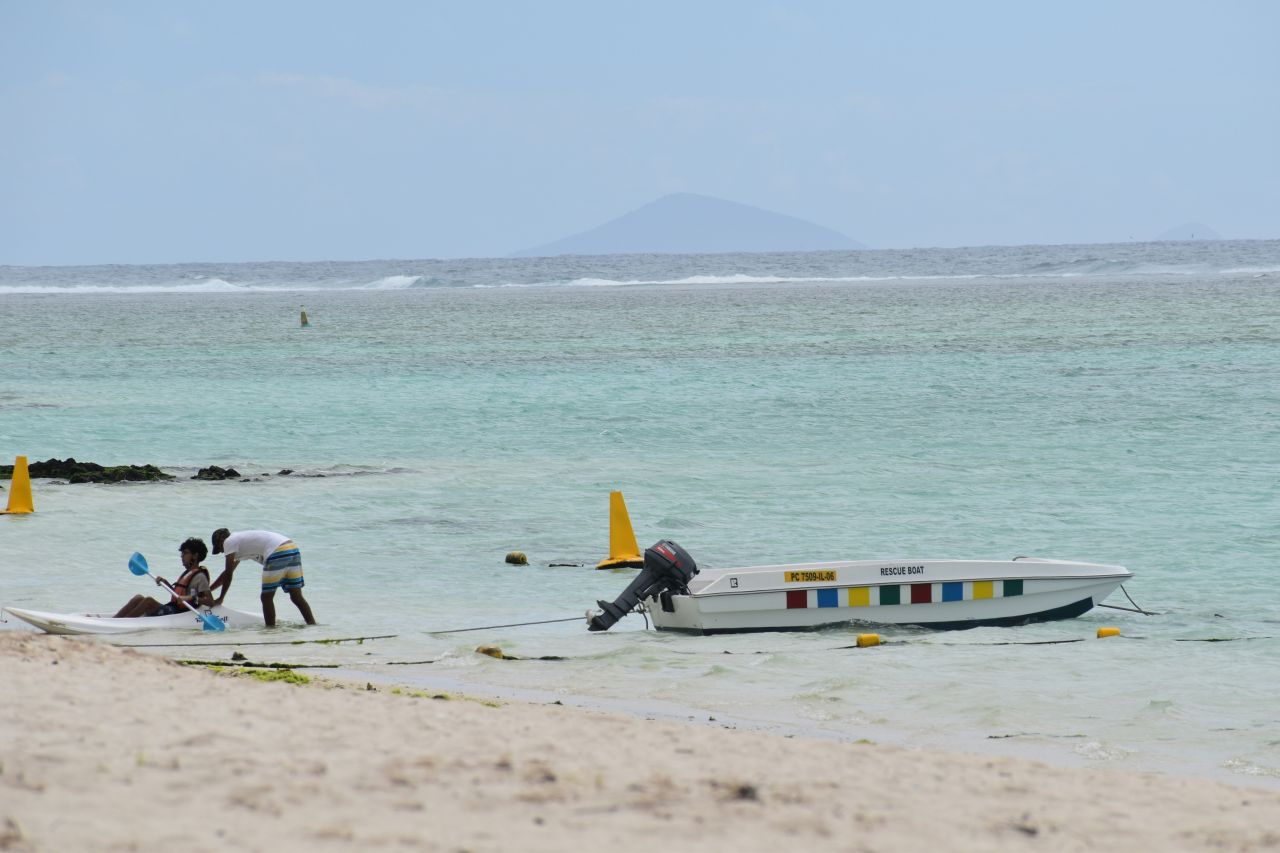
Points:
[(225, 131)]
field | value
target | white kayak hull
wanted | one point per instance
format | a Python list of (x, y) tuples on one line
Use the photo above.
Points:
[(88, 623), (943, 594)]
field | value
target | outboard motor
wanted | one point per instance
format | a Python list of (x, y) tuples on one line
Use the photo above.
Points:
[(667, 568)]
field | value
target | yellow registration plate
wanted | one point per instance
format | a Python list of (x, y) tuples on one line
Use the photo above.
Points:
[(809, 577)]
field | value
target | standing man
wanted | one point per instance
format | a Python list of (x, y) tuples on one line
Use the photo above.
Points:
[(281, 567)]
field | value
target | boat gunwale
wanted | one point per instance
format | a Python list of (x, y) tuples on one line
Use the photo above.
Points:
[(817, 565), (838, 585)]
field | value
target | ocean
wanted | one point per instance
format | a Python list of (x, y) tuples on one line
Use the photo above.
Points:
[(1107, 403)]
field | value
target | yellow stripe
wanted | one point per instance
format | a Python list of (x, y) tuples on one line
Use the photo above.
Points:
[(286, 545), (982, 589), (809, 576), (859, 596)]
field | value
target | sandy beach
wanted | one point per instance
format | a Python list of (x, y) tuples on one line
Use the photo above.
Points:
[(108, 749)]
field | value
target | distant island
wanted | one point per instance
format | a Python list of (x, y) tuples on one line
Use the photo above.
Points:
[(687, 223), (1190, 231)]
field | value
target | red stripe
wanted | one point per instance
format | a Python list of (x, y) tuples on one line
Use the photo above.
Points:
[(797, 599), (921, 593)]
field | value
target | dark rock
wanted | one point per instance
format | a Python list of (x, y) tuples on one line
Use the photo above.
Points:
[(213, 472), (284, 472), (89, 472)]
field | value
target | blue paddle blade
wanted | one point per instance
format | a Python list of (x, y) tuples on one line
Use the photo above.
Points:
[(138, 564), (212, 623)]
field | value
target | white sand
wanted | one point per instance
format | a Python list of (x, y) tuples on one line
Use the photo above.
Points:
[(103, 748)]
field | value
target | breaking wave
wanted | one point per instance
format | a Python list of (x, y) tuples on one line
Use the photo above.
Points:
[(213, 285), (394, 282), (1243, 259)]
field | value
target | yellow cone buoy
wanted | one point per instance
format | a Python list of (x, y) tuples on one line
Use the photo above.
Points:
[(623, 550), (1108, 632), (866, 640), (20, 489), (517, 558)]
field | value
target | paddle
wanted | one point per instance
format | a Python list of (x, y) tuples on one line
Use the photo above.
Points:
[(138, 565)]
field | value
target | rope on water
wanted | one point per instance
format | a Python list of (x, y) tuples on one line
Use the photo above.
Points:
[(333, 641), (1125, 609), (1015, 643), (1058, 642), (408, 662), (248, 664), (1002, 643), (511, 625), (1136, 607)]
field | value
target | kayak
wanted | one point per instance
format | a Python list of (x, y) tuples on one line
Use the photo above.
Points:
[(90, 623)]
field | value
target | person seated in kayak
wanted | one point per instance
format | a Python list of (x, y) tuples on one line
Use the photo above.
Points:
[(192, 586)]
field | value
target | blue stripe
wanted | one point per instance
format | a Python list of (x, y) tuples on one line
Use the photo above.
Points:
[(828, 598), (953, 591), (283, 559)]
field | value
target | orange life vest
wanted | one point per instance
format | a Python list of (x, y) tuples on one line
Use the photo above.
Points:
[(183, 583)]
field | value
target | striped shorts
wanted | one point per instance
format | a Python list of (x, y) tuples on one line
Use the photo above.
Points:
[(283, 569)]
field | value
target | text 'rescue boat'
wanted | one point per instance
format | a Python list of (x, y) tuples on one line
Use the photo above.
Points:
[(943, 594)]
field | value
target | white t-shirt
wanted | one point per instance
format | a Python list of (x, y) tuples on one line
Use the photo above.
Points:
[(254, 545)]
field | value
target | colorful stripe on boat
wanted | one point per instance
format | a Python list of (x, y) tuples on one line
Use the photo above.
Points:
[(904, 593)]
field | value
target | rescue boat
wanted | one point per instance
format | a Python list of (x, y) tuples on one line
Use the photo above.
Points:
[(932, 593)]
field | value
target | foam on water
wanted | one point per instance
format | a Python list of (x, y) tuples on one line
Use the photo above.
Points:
[(395, 282), (1126, 260), (758, 409), (213, 285)]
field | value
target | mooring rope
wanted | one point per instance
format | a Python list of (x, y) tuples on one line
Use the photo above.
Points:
[(1135, 604), (511, 625), (1125, 609), (1137, 608), (259, 642), (248, 664)]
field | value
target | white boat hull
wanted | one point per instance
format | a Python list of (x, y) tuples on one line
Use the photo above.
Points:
[(944, 594), (88, 623)]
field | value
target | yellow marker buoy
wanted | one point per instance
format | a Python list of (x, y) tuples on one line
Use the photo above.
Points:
[(20, 489), (306, 324), (517, 558), (1108, 632), (492, 651), (865, 640), (623, 550)]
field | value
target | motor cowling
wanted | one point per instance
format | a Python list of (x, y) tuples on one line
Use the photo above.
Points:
[(667, 568)]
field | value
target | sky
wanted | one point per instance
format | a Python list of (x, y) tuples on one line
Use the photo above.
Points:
[(167, 132)]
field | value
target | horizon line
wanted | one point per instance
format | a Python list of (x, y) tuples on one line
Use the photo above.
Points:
[(517, 258)]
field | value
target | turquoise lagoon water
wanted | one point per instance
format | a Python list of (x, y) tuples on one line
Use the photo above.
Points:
[(1114, 403)]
